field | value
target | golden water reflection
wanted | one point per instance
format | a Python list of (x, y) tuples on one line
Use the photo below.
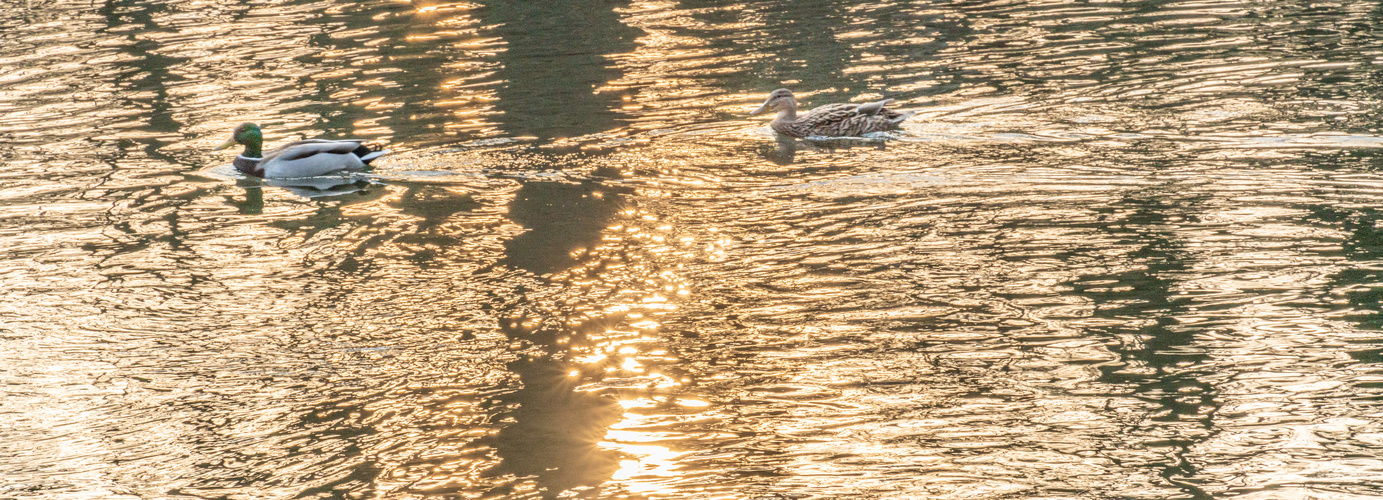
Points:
[(1120, 251)]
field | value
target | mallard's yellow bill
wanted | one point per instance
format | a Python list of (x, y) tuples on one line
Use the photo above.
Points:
[(229, 142)]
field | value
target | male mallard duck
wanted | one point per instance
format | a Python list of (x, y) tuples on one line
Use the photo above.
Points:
[(306, 158), (831, 120)]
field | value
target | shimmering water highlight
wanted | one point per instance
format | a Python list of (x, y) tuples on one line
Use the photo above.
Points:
[(1124, 250)]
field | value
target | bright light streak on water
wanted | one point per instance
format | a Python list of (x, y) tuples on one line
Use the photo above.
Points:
[(1124, 250)]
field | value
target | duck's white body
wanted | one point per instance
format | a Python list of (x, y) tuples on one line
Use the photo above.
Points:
[(309, 158)]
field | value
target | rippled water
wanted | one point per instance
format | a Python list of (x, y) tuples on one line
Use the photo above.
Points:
[(1125, 250)]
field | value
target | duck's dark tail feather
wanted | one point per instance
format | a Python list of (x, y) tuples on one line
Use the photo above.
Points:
[(366, 154), (902, 116)]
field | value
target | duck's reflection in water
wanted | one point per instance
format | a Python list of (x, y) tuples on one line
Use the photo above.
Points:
[(253, 204), (784, 149), (320, 187), (307, 187)]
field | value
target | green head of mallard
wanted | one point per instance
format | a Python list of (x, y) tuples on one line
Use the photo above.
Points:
[(249, 135), (780, 99)]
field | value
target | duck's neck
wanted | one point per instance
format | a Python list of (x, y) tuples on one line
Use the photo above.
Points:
[(787, 113), (252, 150)]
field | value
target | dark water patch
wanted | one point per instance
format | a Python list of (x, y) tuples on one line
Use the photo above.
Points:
[(1123, 250)]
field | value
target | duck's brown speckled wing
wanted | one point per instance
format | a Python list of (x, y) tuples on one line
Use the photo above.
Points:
[(862, 124), (843, 120), (825, 120)]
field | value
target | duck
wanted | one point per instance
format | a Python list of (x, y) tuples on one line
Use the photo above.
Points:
[(831, 120), (305, 158)]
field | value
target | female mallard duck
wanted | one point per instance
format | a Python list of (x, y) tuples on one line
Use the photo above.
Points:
[(831, 120), (307, 158)]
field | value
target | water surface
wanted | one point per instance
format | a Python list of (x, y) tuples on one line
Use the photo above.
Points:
[(1125, 250)]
